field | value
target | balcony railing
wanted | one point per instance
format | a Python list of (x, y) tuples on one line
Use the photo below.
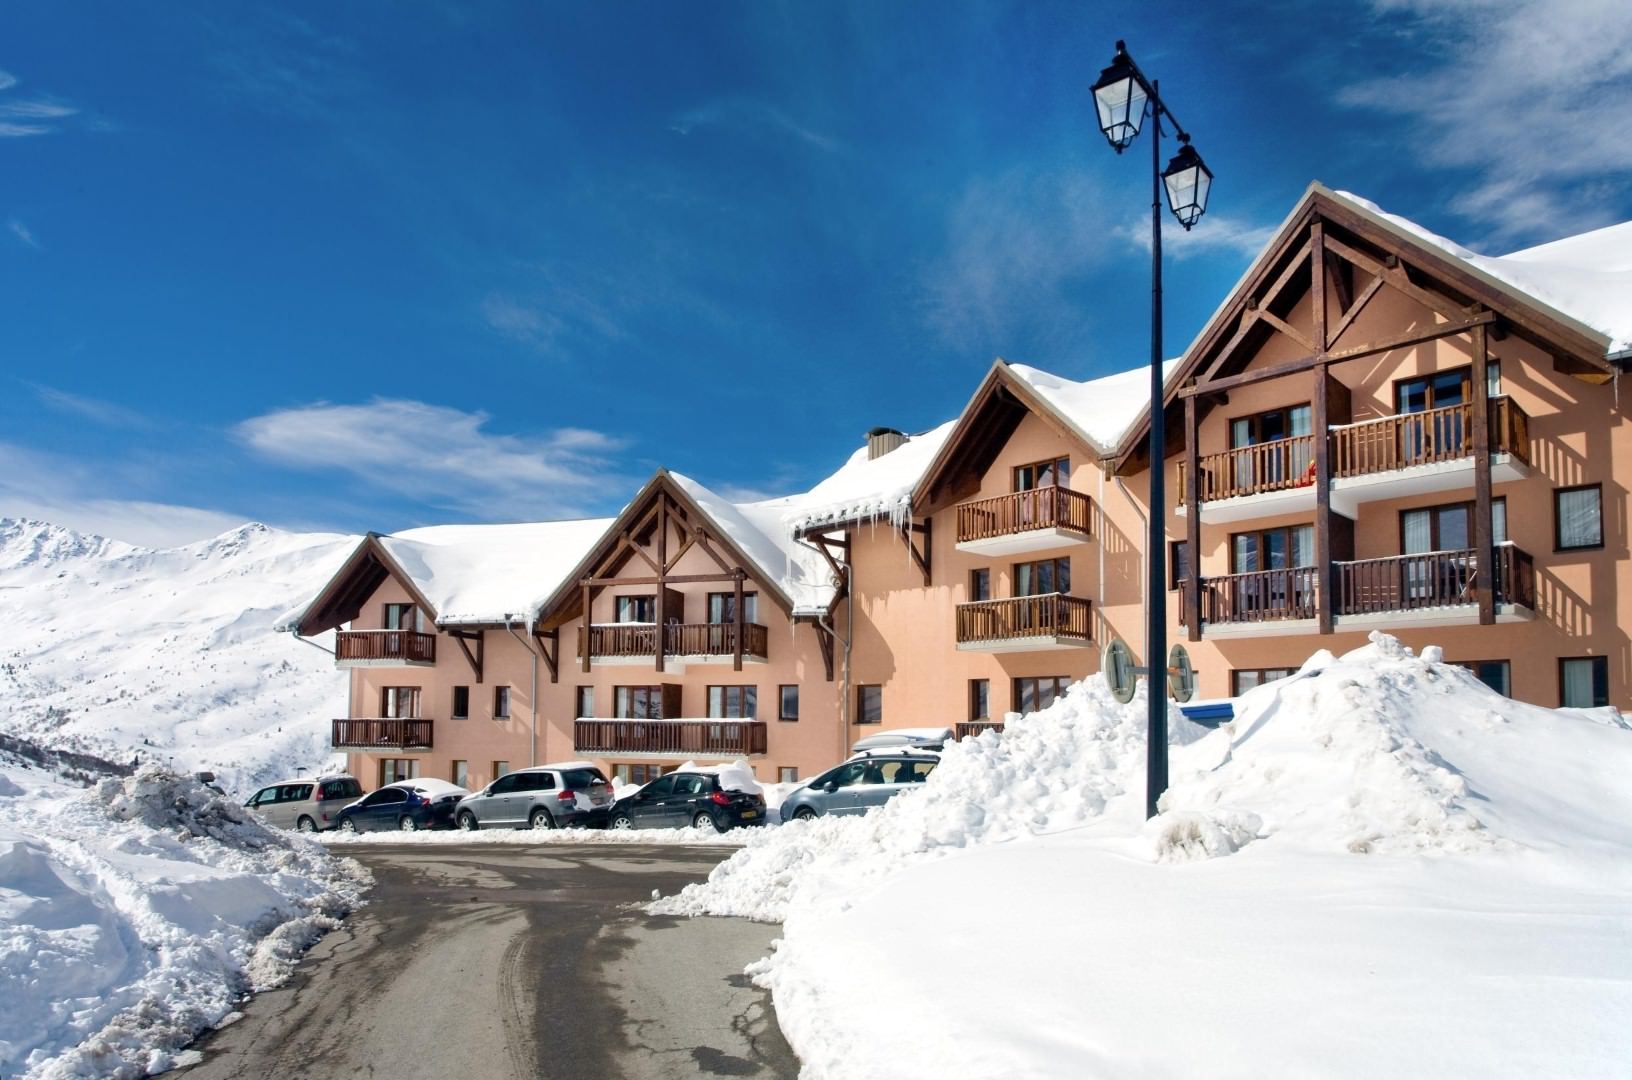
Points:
[(1432, 579), (381, 733), (1048, 507), (1362, 449), (968, 729), (1048, 615), (1258, 596), (639, 640), (669, 736), (385, 646)]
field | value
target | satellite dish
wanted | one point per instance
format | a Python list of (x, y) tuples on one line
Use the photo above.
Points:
[(1181, 677), (1117, 664)]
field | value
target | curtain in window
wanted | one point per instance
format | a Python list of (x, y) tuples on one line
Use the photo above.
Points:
[(1303, 545), (1498, 521), (1578, 688), (1418, 533), (1579, 523)]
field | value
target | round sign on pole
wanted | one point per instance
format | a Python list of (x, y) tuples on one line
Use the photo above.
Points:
[(1117, 664), (1181, 677)]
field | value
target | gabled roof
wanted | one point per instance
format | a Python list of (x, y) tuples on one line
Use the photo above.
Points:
[(863, 488)]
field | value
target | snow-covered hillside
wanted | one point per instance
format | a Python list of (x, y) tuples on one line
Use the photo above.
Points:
[(167, 654)]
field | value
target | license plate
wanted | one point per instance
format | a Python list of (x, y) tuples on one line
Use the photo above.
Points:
[(750, 813)]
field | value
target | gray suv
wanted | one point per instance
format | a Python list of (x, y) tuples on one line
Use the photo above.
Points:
[(310, 804), (542, 797), (865, 781)]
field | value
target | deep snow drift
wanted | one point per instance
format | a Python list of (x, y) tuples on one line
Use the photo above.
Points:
[(137, 914), (1380, 867), (120, 651)]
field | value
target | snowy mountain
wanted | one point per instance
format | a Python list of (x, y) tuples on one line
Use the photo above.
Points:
[(169, 654)]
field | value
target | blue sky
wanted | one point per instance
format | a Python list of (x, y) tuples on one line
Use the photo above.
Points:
[(375, 265)]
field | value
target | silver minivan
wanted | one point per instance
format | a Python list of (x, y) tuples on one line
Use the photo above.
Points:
[(309, 804), (542, 797)]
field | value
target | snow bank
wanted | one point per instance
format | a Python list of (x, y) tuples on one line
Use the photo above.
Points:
[(138, 914), (1051, 770)]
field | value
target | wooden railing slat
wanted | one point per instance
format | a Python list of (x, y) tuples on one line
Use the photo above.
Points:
[(1047, 615), (1050, 507), (724, 736)]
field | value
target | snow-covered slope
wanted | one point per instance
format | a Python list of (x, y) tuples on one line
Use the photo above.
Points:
[(167, 654)]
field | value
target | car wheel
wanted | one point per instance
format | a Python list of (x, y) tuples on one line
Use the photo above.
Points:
[(408, 824), (705, 820), (305, 824), (467, 821), (804, 813), (541, 819), (621, 821), (348, 825)]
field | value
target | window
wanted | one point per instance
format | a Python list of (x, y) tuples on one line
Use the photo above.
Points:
[(733, 702), (394, 769), (641, 773), (1041, 577), (1056, 473), (501, 703), (787, 774), (1289, 464), (461, 703), (1244, 679), (399, 702), (1443, 433), (980, 585), (980, 699), (638, 702), (1178, 563), (500, 768), (636, 609), (586, 702), (1578, 518), (459, 773), (1272, 549), (869, 704), (787, 706), (1583, 682), (403, 617), (722, 607), (1436, 391), (1033, 694), (1496, 674)]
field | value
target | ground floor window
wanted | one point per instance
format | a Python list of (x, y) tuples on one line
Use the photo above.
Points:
[(639, 772), (1583, 682), (500, 768), (787, 774), (1039, 693), (1244, 679), (980, 699), (1496, 674), (869, 704), (394, 769), (459, 774)]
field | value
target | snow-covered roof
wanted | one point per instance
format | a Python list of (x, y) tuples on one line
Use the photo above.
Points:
[(864, 489), (1101, 410), (757, 528), (491, 573), (1587, 278)]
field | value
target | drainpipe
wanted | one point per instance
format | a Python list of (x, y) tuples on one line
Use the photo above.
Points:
[(533, 698)]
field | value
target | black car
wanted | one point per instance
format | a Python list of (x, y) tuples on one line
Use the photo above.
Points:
[(407, 805), (687, 799)]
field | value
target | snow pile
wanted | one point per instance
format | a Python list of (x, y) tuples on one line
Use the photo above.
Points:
[(136, 915), (1049, 771), (867, 489)]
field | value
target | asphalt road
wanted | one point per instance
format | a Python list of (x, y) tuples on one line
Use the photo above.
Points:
[(517, 962)]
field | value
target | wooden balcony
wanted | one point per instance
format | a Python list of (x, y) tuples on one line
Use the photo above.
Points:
[(968, 729), (629, 643), (1261, 596), (1436, 579), (1035, 520), (669, 737), (381, 733), (1389, 457), (1024, 623), (384, 648)]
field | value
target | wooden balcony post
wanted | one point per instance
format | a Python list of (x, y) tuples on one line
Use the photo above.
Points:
[(1484, 549), (1321, 424), (659, 605), (736, 629), (1191, 595), (585, 633)]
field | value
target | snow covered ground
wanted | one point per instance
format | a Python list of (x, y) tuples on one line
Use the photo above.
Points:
[(139, 913), (122, 651), (1379, 868)]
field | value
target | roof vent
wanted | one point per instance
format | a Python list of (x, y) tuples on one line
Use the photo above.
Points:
[(881, 440)]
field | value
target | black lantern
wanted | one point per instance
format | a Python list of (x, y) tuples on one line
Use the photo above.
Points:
[(1120, 97), (1188, 181)]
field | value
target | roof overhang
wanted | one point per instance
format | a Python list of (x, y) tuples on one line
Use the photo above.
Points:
[(342, 598)]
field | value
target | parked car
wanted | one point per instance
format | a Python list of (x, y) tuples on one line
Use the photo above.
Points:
[(698, 799), (308, 804), (541, 797), (870, 779), (409, 805)]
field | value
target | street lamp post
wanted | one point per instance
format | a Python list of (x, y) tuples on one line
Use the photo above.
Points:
[(1123, 97)]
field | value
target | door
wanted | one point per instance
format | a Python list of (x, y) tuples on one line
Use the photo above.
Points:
[(690, 795), (1441, 578), (495, 807), (1439, 435), (847, 794), (379, 809), (651, 804)]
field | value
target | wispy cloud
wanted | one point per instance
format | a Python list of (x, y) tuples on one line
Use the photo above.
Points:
[(444, 456), (22, 117), (101, 412), (22, 232), (1534, 97), (552, 316), (1215, 233), (751, 115)]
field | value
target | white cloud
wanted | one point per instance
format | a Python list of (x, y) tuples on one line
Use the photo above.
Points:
[(22, 232), (520, 322), (1212, 234), (7, 80), (444, 456), (1533, 96), (38, 116), (102, 412), (750, 115)]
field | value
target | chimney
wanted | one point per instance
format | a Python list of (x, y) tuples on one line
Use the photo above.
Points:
[(881, 440)]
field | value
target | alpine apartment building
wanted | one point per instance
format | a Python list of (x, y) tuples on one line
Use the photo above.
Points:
[(1377, 430)]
